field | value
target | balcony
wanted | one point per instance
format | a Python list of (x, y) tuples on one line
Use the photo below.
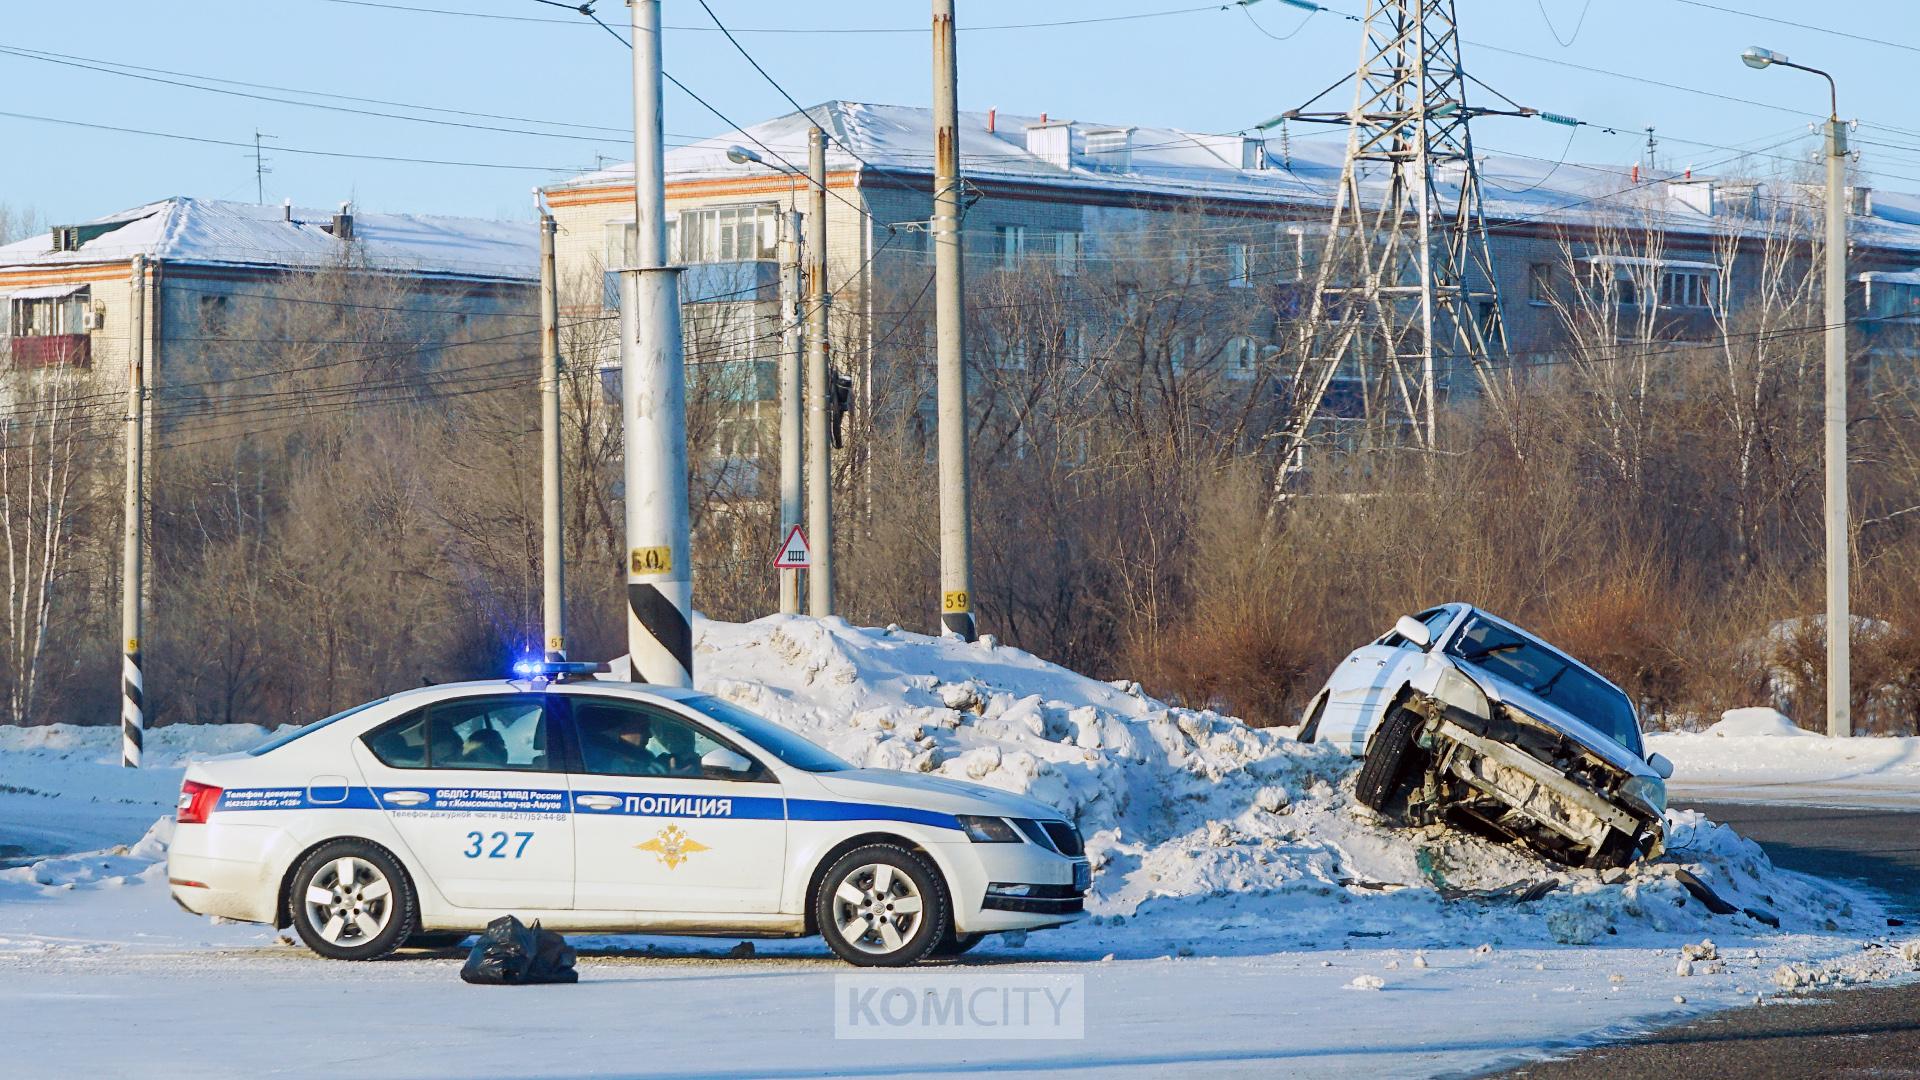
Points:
[(51, 350)]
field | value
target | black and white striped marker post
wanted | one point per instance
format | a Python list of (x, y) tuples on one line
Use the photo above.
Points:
[(653, 397), (133, 724), (132, 696)]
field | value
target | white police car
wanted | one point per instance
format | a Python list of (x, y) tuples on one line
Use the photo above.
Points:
[(610, 807)]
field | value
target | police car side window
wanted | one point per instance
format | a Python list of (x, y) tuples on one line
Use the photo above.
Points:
[(620, 739), (507, 733)]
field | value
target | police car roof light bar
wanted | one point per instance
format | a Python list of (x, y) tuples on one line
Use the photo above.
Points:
[(555, 670)]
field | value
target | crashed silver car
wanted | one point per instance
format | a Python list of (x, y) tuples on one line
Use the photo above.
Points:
[(1464, 716)]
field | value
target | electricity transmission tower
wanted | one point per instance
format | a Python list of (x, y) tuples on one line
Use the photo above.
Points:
[(1405, 292)]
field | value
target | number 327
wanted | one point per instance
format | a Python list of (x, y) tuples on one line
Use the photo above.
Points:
[(477, 845)]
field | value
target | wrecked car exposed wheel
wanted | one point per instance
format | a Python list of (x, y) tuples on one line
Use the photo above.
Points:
[(1391, 757)]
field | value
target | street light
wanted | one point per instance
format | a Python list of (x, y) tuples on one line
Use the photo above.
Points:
[(1839, 620), (792, 382)]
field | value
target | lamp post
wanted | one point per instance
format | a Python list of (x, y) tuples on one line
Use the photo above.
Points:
[(792, 380), (1839, 619)]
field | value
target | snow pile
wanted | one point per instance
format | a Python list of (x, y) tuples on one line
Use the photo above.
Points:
[(1200, 825), (1760, 721)]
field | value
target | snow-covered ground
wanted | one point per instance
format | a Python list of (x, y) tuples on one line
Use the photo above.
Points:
[(1759, 755), (1245, 912)]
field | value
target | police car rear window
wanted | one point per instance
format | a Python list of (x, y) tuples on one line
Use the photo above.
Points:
[(288, 735)]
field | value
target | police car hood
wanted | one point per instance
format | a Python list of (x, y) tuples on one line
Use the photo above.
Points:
[(932, 793)]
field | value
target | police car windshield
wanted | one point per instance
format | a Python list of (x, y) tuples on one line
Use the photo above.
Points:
[(289, 734), (790, 748)]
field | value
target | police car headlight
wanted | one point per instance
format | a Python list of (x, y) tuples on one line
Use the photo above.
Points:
[(1648, 791), (988, 830)]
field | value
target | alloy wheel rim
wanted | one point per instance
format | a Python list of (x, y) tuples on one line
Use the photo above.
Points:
[(878, 909), (348, 901)]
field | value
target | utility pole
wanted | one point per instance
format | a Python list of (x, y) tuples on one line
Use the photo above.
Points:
[(1839, 614), (653, 397), (956, 539), (132, 689), (819, 440), (1839, 538), (553, 594), (792, 393), (260, 169)]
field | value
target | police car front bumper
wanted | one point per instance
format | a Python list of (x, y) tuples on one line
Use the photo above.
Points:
[(1012, 886)]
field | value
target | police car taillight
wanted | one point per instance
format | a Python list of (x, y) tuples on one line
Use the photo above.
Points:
[(196, 802)]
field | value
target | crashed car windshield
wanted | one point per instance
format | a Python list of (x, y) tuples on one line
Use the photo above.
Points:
[(1546, 674)]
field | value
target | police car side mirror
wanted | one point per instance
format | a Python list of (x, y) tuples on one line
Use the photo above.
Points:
[(725, 762)]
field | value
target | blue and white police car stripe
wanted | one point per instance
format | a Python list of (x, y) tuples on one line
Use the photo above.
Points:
[(540, 801)]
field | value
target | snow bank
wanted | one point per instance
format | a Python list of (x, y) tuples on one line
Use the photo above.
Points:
[(1203, 832), (1760, 721)]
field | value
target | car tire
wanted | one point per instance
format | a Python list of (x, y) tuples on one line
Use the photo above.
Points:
[(1390, 758), (862, 907), (351, 900), (1310, 730), (957, 944)]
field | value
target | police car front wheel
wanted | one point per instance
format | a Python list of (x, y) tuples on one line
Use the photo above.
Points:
[(882, 906), (352, 901)]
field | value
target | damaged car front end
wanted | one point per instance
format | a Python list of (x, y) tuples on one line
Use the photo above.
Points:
[(1490, 725)]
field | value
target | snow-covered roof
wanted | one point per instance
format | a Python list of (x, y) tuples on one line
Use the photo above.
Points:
[(212, 231), (1301, 170)]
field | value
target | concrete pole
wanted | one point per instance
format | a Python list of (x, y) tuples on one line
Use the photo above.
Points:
[(819, 439), (1839, 619), (792, 394), (132, 687), (553, 587), (956, 541), (653, 397)]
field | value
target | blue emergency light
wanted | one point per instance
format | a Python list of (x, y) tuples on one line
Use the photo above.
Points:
[(554, 669)]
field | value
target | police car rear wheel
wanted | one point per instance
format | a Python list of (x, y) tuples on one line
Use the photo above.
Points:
[(351, 901), (882, 906)]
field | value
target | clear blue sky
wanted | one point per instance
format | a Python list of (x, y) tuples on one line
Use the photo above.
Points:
[(1203, 70)]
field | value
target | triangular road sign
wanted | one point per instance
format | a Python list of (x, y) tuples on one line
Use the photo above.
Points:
[(794, 553)]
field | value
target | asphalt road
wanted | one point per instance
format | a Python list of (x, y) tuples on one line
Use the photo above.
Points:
[(1867, 1032)]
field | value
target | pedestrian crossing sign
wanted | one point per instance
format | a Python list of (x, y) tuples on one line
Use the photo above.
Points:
[(794, 553)]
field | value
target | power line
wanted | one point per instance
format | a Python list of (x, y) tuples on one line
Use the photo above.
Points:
[(76, 63), (40, 53), (1801, 25), (413, 9), (202, 139)]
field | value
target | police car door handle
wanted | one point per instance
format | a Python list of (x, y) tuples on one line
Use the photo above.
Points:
[(599, 802)]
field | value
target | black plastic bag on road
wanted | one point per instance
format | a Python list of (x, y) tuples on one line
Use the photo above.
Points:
[(510, 953)]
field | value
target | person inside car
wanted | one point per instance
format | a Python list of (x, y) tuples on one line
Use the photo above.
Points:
[(615, 741)]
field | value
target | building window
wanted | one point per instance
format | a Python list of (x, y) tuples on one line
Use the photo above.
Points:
[(1011, 244), (1540, 283), (1684, 288), (1066, 252), (729, 233), (60, 312), (1241, 359), (1239, 266)]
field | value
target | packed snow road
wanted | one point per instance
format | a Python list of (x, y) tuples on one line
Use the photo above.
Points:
[(1246, 917)]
